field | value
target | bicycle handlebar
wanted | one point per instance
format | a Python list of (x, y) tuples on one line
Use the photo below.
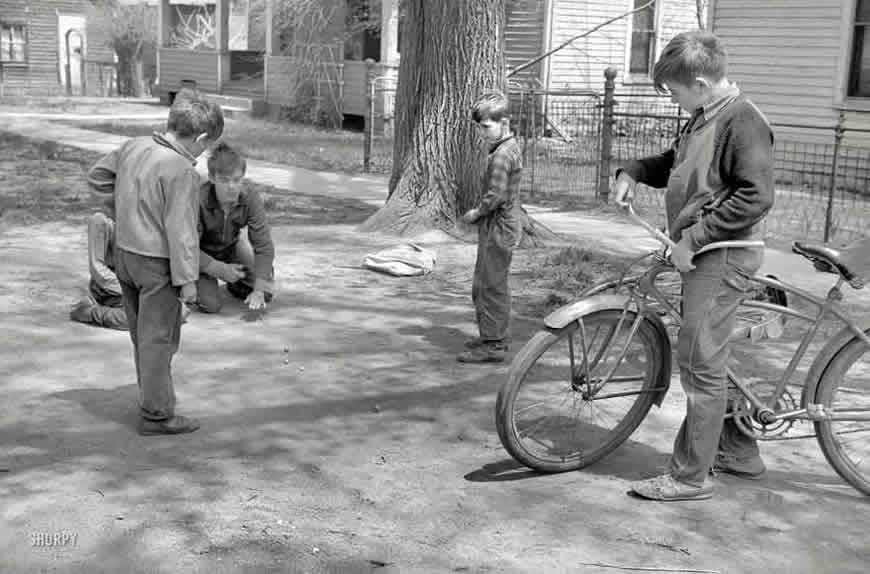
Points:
[(657, 234)]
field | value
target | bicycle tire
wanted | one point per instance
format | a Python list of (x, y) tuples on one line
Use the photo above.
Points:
[(832, 435), (575, 455)]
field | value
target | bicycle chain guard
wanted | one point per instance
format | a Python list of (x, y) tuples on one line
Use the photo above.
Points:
[(744, 413)]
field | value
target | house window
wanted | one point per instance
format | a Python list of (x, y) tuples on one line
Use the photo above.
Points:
[(13, 43), (643, 38), (363, 39), (859, 73)]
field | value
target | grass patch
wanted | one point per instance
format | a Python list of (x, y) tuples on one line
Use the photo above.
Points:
[(284, 143), (548, 278), (44, 181)]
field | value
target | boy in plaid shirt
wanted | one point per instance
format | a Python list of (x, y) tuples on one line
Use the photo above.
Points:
[(498, 215)]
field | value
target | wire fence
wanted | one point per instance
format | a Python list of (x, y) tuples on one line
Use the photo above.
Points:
[(574, 140)]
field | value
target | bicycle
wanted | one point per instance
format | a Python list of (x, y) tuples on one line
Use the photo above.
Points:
[(606, 359)]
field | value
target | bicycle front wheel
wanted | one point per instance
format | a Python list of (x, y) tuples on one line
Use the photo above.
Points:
[(575, 394), (843, 391)]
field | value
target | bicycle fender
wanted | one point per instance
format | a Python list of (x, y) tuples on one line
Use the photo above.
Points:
[(564, 316), (825, 356)]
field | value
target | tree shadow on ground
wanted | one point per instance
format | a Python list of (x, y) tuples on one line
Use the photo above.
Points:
[(343, 413), (293, 208)]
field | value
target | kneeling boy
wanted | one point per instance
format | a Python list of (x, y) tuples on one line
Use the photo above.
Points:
[(225, 208)]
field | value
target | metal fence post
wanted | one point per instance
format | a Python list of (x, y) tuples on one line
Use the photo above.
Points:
[(370, 113), (606, 135), (839, 130), (533, 105)]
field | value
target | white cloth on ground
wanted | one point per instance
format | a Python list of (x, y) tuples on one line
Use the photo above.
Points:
[(403, 261)]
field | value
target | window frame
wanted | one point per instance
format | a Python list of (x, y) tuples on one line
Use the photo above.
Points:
[(365, 37), (842, 100), (641, 77), (853, 63), (10, 23)]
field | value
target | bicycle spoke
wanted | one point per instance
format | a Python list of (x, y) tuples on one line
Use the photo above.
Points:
[(586, 375), (845, 391), (565, 425)]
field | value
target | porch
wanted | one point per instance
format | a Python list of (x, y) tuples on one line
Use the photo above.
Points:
[(238, 58)]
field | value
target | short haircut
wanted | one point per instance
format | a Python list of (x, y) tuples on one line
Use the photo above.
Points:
[(192, 115), (492, 105), (225, 160), (690, 55), (187, 93)]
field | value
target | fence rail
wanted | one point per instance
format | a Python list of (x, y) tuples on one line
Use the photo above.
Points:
[(573, 140)]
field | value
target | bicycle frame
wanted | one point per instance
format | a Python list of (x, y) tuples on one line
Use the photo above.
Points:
[(645, 289)]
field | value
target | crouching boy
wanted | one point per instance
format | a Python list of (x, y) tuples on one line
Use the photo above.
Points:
[(226, 207)]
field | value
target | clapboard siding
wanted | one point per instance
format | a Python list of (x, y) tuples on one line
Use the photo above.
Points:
[(178, 64), (786, 55), (582, 65), (40, 75)]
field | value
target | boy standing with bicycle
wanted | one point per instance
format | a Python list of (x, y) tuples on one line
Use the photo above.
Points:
[(719, 180)]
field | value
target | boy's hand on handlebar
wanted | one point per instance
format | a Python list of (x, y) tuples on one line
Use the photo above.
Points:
[(622, 189), (681, 256)]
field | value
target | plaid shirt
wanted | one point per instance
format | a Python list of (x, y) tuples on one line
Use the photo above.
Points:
[(503, 171)]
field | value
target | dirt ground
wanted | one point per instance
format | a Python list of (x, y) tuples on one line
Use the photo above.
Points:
[(339, 435)]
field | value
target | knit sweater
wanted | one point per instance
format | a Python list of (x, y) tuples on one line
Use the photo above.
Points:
[(718, 173)]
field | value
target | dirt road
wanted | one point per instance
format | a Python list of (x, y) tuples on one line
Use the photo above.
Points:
[(340, 436)]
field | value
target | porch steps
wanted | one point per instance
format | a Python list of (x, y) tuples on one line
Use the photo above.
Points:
[(236, 106)]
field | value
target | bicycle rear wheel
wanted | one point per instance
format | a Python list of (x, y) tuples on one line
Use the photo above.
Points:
[(575, 394), (845, 386)]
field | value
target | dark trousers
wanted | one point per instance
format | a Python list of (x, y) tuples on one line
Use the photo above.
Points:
[(711, 294), (207, 287), (490, 290), (109, 310), (154, 314)]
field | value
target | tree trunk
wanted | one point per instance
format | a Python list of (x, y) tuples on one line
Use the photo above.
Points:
[(451, 52)]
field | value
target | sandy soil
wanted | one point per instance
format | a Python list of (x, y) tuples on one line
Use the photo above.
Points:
[(339, 435)]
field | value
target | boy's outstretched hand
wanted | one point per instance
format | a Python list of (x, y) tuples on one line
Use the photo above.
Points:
[(471, 215), (681, 257), (256, 300)]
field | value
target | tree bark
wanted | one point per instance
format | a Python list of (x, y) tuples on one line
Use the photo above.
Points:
[(451, 53)]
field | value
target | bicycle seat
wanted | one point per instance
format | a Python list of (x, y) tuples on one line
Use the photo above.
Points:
[(825, 259)]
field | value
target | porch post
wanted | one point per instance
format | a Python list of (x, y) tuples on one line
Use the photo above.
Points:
[(164, 27), (269, 48), (221, 41), (389, 61), (270, 27), (390, 32), (164, 32)]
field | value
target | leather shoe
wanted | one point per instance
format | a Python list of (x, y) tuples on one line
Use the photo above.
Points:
[(175, 425)]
